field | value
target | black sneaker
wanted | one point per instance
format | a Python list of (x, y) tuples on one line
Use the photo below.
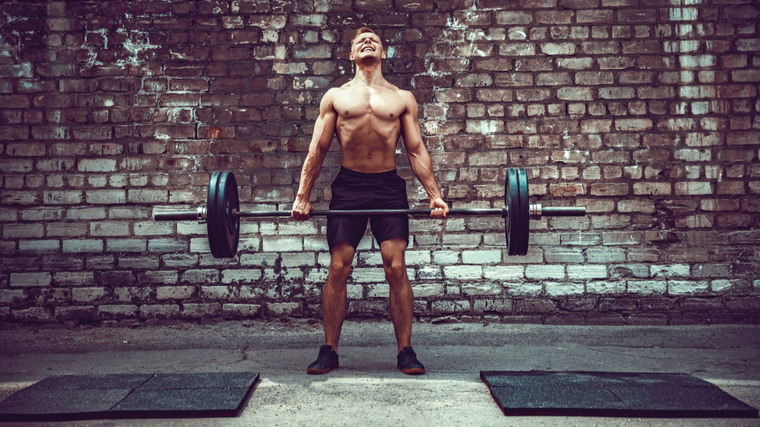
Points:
[(408, 363), (327, 359)]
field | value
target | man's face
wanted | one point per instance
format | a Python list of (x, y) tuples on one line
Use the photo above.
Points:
[(367, 45)]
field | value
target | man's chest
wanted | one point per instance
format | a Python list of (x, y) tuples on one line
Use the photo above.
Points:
[(361, 102)]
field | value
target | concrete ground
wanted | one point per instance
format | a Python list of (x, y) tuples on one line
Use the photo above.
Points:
[(367, 389)]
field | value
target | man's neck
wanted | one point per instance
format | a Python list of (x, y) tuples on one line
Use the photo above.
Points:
[(371, 74)]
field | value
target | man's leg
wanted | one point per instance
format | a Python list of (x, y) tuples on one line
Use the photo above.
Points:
[(334, 300), (401, 296)]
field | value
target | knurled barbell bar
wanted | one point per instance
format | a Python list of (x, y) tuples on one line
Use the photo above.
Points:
[(222, 213)]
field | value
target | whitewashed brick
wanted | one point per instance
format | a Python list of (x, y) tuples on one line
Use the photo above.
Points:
[(647, 287), (563, 288), (506, 273), (174, 292), (74, 278), (82, 246), (189, 228), (449, 307), (23, 231), (259, 259), (126, 245), (545, 272), (317, 275), (217, 292), (425, 290), (368, 274), (429, 272), (523, 288), (315, 244), (238, 276), (463, 272), (668, 271), (240, 310), (199, 245), (561, 255), (726, 285), (605, 287), (160, 311), (301, 259), (39, 247), (32, 314), (378, 291), (282, 244), (297, 228), (417, 258), (584, 272), (445, 257), (605, 255), (30, 279), (102, 197), (201, 276), (640, 271), (687, 287), (487, 288), (153, 228), (87, 294), (285, 308), (481, 257), (109, 228), (123, 311)]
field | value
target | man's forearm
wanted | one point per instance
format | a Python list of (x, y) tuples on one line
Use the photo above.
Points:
[(310, 172), (422, 166)]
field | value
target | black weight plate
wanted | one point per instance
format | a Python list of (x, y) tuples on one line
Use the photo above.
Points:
[(518, 218), (510, 224), (524, 218), (223, 225), (212, 213), (233, 205)]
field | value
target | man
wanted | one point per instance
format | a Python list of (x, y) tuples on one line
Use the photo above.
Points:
[(367, 115)]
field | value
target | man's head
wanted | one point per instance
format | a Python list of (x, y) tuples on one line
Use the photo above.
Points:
[(366, 44)]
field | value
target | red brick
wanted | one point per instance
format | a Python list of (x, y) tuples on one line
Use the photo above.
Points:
[(636, 15), (14, 101), (558, 17), (609, 189), (14, 133), (594, 16), (743, 138)]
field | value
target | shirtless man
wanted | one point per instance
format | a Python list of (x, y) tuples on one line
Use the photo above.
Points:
[(367, 115)]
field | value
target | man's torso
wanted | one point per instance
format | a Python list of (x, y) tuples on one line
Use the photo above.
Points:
[(368, 126)]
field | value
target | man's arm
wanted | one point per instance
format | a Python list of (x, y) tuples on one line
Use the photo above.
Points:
[(320, 144), (419, 158)]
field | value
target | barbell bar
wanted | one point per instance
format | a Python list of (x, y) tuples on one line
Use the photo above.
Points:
[(222, 213)]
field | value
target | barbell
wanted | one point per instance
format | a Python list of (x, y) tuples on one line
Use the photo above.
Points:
[(222, 213)]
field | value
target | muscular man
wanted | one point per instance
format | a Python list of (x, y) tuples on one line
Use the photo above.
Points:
[(367, 115)]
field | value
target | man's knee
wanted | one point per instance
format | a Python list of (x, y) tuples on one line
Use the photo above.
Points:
[(393, 260), (395, 271), (341, 259)]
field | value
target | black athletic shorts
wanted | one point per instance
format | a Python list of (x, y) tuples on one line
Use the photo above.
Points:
[(357, 190)]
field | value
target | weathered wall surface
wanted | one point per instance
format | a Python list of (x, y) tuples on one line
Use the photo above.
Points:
[(646, 112)]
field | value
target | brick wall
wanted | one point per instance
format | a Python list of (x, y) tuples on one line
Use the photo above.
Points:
[(646, 112)]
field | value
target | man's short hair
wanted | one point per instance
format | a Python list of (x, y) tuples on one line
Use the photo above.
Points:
[(362, 30)]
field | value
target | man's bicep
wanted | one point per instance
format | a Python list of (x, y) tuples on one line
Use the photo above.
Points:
[(325, 124), (410, 126)]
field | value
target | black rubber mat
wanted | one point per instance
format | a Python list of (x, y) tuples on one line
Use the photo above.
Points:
[(75, 397), (611, 394)]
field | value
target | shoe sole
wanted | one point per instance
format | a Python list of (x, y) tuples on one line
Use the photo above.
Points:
[(412, 371), (320, 371)]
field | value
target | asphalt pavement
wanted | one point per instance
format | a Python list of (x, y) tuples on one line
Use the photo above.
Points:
[(368, 390)]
